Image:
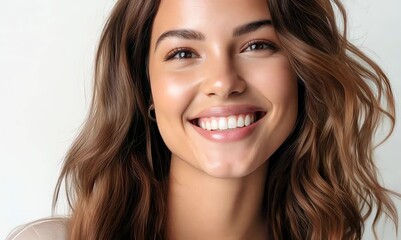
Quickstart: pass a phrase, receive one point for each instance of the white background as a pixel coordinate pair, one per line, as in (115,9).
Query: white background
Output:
(46,59)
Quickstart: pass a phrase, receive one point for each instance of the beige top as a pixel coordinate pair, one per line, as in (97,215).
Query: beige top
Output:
(43,229)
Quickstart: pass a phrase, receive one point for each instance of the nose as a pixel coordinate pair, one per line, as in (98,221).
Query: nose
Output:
(222,79)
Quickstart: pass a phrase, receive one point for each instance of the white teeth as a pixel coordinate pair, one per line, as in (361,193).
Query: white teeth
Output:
(208,127)
(214,124)
(247,120)
(240,121)
(224,123)
(232,123)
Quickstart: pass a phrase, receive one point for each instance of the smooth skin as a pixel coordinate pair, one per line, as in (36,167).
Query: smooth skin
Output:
(219,57)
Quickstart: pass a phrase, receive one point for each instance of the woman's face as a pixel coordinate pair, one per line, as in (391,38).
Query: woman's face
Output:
(224,92)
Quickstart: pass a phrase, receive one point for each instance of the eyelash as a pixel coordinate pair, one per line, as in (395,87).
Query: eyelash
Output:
(173,53)
(268,46)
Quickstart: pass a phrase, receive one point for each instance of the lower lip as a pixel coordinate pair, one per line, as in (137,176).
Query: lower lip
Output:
(229,135)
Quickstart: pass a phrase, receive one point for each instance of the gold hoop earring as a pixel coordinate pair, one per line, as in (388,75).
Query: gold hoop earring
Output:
(151,109)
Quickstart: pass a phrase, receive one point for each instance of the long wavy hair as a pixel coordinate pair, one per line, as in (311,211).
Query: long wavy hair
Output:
(322,183)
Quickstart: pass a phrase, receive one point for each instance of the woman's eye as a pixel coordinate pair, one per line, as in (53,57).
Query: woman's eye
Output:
(180,54)
(259,46)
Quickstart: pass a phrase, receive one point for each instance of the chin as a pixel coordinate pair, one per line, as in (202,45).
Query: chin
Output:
(232,169)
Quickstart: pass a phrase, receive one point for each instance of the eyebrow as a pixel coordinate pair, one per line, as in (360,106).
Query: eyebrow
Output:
(250,27)
(196,35)
(181,33)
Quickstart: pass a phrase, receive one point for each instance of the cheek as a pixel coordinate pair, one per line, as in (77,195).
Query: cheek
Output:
(171,94)
(276,81)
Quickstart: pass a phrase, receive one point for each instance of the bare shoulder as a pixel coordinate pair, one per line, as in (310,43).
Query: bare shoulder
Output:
(43,229)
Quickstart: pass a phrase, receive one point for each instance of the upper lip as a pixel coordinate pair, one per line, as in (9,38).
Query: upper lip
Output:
(225,111)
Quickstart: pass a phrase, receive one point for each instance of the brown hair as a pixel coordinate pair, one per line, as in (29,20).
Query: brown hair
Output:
(322,183)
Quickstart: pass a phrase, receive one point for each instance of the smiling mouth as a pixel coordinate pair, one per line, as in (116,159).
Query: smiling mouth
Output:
(229,122)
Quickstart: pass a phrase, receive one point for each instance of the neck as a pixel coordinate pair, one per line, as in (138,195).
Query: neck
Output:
(204,207)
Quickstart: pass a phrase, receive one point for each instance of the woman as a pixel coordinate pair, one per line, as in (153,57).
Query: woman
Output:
(245,119)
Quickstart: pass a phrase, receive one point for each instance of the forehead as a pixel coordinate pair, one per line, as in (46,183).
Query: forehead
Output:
(208,16)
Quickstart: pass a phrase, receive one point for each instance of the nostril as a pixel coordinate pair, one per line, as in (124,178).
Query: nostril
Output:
(236,92)
(224,86)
